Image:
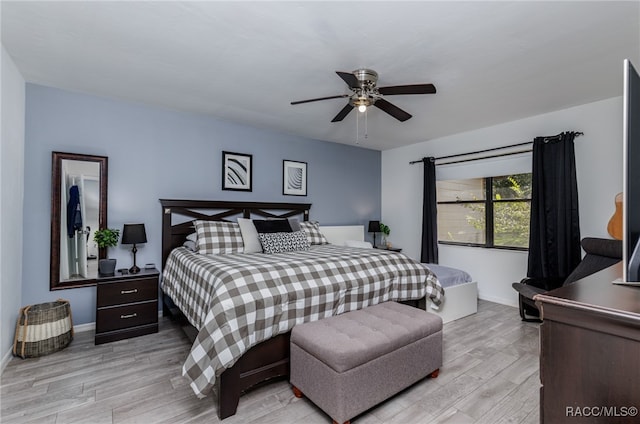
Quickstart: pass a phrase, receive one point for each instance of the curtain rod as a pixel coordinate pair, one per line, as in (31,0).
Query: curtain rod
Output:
(485,157)
(491,150)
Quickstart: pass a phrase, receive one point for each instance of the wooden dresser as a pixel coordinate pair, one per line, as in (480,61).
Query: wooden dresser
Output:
(590,351)
(127,306)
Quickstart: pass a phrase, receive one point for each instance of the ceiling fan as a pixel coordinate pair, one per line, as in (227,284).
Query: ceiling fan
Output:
(364,93)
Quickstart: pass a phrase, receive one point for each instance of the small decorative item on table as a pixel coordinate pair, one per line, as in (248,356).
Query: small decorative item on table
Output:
(385,230)
(105,238)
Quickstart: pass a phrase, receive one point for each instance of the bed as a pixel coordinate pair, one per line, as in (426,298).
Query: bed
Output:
(462,291)
(256,347)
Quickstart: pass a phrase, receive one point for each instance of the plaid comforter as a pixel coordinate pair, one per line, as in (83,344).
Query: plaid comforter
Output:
(239,300)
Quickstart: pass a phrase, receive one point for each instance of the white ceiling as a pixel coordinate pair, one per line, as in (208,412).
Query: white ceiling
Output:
(491,62)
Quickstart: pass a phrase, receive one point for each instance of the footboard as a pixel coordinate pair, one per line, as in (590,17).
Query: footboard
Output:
(263,362)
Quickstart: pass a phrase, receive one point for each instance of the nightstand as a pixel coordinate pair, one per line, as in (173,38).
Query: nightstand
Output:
(127,306)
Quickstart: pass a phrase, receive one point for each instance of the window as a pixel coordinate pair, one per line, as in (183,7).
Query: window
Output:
(488,212)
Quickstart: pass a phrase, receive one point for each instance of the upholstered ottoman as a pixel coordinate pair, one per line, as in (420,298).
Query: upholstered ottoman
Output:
(351,362)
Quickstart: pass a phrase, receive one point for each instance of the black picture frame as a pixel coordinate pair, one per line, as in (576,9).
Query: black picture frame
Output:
(294,178)
(237,171)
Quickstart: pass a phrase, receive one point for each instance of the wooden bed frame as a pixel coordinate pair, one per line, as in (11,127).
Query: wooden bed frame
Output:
(267,360)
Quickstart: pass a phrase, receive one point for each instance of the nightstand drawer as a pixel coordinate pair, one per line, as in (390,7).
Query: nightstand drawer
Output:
(127,291)
(119,317)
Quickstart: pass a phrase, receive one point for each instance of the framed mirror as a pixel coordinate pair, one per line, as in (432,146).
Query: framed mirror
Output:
(78,209)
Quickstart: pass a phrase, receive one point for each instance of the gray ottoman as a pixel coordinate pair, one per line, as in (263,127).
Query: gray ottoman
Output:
(351,362)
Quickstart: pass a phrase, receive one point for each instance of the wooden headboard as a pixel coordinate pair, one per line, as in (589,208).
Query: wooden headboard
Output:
(185,211)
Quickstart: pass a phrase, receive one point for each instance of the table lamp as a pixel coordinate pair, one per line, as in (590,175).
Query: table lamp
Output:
(374,227)
(134,234)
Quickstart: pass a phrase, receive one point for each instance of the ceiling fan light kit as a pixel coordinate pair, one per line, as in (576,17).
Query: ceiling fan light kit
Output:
(364,93)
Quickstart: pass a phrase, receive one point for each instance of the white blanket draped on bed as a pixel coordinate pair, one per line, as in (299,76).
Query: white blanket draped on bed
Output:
(239,300)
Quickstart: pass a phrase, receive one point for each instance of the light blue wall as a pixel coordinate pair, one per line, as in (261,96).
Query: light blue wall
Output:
(157,153)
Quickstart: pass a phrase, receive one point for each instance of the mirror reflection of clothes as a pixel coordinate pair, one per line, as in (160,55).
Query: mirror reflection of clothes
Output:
(74,216)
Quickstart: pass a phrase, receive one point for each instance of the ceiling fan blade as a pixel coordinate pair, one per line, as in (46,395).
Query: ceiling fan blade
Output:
(392,110)
(349,78)
(408,89)
(343,113)
(340,96)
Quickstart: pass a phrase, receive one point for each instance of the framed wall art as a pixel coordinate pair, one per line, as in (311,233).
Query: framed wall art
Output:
(294,178)
(237,171)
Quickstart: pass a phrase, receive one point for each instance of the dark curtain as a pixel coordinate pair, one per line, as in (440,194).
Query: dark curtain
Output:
(429,221)
(554,239)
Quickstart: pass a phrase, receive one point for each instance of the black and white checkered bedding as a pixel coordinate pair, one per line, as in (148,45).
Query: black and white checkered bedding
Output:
(239,300)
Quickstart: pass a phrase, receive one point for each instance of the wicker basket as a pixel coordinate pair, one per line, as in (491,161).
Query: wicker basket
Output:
(43,329)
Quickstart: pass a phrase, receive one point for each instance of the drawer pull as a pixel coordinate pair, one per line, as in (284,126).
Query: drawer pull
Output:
(129,316)
(128,291)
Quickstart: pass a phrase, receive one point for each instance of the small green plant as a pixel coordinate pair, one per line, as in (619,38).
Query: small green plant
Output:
(106,237)
(384,229)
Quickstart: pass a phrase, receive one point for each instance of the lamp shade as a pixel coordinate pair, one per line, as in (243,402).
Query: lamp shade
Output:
(133,234)
(374,226)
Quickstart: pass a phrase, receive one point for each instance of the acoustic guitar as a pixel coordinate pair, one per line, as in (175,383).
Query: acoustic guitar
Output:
(615,223)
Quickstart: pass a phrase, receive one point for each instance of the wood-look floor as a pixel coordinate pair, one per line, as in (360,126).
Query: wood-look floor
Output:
(490,375)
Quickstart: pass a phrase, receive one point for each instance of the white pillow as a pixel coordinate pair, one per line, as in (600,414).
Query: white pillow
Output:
(193,237)
(358,243)
(249,236)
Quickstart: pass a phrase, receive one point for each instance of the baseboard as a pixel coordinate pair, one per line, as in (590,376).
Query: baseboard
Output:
(5,359)
(500,300)
(80,328)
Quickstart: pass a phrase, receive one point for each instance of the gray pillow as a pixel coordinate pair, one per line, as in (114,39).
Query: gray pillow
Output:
(295,224)
(190,244)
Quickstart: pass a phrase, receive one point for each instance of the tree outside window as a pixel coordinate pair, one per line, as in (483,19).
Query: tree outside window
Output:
(487,212)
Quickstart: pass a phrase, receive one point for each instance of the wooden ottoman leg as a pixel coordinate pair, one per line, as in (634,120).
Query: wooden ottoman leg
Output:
(296,392)
(435,373)
(335,422)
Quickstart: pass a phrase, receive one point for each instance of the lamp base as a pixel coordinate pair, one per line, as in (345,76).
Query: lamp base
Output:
(134,269)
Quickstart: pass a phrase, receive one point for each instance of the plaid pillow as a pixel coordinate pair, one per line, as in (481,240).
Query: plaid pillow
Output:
(216,237)
(312,229)
(284,242)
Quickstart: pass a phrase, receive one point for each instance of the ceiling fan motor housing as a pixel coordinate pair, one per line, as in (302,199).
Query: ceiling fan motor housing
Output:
(367,77)
(366,94)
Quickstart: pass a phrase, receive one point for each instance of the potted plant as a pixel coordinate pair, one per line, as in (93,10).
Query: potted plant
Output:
(105,238)
(384,229)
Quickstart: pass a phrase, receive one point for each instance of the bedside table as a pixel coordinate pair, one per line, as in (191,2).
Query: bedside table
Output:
(392,249)
(127,306)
